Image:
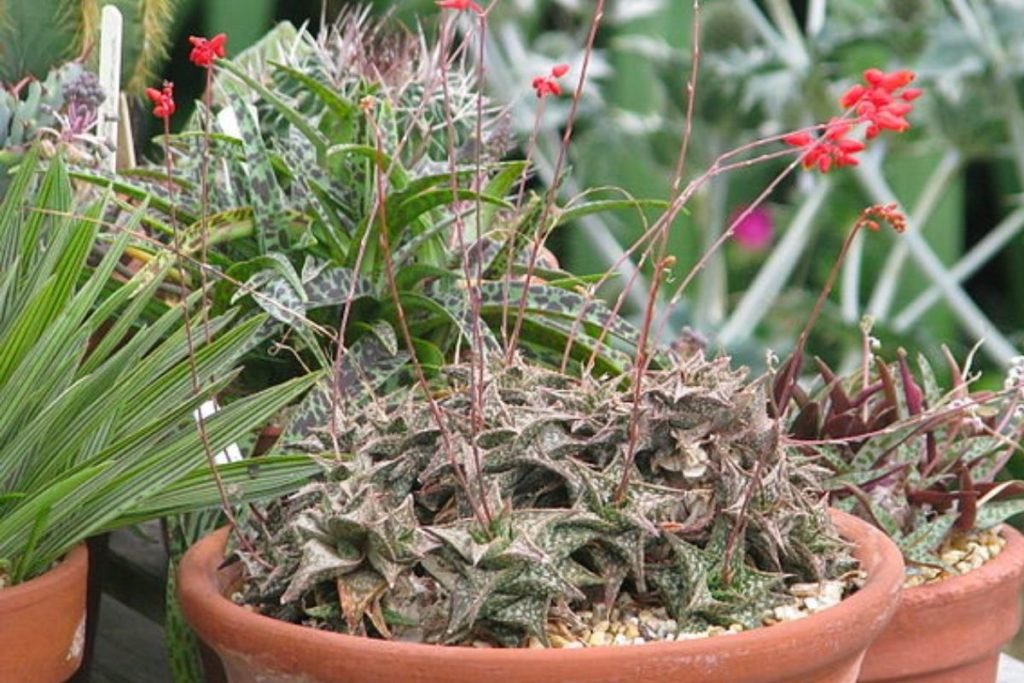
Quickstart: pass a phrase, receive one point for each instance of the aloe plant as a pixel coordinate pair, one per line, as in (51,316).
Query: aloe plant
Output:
(98,430)
(386,545)
(919,461)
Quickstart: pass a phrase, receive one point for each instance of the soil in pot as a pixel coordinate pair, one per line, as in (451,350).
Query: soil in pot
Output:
(952,631)
(42,623)
(824,647)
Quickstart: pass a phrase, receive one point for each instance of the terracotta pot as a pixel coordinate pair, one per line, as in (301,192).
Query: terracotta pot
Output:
(827,646)
(952,631)
(42,623)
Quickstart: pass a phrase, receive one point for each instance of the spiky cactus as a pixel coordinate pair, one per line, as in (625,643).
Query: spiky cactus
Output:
(38,36)
(387,544)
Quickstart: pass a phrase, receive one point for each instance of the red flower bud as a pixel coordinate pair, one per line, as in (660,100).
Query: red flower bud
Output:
(461,6)
(163,100)
(874,77)
(547,85)
(852,96)
(204,51)
(897,79)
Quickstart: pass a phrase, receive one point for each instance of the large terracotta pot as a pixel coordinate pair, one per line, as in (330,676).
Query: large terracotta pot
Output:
(824,647)
(42,623)
(952,631)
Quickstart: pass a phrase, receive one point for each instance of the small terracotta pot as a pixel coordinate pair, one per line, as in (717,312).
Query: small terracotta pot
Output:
(42,623)
(952,631)
(824,647)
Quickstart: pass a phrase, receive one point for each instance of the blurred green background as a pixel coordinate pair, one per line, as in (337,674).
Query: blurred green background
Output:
(767,66)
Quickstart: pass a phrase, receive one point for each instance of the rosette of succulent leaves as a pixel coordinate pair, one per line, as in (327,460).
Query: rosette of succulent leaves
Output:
(916,460)
(323,149)
(484,515)
(62,109)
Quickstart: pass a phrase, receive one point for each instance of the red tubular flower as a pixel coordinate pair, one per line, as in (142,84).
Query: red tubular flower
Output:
(163,100)
(883,101)
(833,149)
(461,6)
(205,51)
(548,85)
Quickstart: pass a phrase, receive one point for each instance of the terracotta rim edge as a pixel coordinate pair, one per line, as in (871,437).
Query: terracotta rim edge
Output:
(1008,562)
(26,592)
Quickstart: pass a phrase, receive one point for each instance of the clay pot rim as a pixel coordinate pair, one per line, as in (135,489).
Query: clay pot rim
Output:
(27,592)
(965,586)
(203,603)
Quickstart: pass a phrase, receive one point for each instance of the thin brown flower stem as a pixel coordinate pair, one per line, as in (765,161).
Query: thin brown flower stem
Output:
(691,98)
(676,181)
(510,253)
(662,264)
(552,193)
(204,195)
(620,301)
(792,370)
(478,360)
(670,214)
(340,350)
(642,361)
(346,310)
(191,352)
(740,523)
(721,240)
(339,342)
(479,507)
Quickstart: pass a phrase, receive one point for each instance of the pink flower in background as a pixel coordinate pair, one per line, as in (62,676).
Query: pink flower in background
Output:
(755,231)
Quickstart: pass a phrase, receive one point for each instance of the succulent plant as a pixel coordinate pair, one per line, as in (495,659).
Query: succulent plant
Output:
(66,101)
(295,214)
(386,544)
(39,36)
(918,461)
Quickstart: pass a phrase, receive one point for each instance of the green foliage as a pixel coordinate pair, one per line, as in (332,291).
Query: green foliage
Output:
(40,35)
(918,461)
(98,429)
(388,546)
(339,163)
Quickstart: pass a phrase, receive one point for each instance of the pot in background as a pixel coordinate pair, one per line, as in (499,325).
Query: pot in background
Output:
(952,631)
(42,623)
